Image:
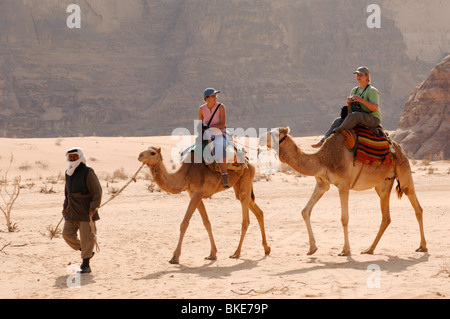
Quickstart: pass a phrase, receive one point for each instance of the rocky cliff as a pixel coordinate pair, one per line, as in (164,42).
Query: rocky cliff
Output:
(424,127)
(139,67)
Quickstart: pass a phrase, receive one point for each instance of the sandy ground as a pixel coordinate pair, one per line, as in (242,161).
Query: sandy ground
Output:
(139,229)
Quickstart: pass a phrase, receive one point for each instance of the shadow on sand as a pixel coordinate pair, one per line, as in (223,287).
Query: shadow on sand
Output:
(206,270)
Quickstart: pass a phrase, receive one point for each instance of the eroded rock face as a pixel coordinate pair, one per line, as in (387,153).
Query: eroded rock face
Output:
(140,67)
(424,127)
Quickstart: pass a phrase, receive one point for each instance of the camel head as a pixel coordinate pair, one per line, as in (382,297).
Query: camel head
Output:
(151,156)
(272,138)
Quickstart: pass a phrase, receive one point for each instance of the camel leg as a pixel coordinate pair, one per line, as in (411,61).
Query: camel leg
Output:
(319,190)
(193,204)
(202,210)
(343,195)
(260,217)
(407,187)
(419,215)
(384,192)
(245,222)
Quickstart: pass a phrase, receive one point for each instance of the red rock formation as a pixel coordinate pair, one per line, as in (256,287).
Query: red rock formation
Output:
(424,127)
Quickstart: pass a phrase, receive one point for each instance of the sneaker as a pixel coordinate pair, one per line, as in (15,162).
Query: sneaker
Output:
(225,182)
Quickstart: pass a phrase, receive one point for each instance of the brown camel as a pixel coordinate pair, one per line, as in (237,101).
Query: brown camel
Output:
(333,164)
(200,182)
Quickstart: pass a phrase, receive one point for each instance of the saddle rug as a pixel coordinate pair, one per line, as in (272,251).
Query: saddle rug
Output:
(370,149)
(236,159)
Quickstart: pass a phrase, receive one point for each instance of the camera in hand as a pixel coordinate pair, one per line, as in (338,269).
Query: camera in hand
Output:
(356,107)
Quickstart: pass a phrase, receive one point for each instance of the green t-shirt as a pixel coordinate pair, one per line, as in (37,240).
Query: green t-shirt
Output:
(372,95)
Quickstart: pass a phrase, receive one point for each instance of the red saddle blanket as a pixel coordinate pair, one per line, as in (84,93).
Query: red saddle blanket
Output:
(372,149)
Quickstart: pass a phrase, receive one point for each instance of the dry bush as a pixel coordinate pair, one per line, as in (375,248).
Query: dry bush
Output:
(55,180)
(152,187)
(25,166)
(52,232)
(58,142)
(260,177)
(438,157)
(42,164)
(120,173)
(46,190)
(113,190)
(9,194)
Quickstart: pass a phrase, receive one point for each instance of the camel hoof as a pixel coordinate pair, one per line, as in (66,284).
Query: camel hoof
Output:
(345,253)
(367,252)
(311,251)
(422,250)
(235,256)
(267,251)
(174,261)
(211,258)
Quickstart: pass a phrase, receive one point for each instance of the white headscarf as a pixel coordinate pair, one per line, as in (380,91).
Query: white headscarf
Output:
(73,165)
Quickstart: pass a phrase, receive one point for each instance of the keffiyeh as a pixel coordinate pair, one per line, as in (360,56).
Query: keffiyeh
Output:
(74,164)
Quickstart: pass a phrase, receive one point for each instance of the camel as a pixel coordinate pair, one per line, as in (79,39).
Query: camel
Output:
(333,164)
(200,182)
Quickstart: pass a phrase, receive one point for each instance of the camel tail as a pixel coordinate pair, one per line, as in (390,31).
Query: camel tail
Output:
(398,189)
(253,195)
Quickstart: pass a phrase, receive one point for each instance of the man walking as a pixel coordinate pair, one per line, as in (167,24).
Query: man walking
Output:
(83,195)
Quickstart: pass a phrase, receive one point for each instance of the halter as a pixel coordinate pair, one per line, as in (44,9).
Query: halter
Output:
(280,141)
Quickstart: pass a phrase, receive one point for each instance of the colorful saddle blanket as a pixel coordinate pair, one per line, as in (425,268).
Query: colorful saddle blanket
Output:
(372,149)
(368,147)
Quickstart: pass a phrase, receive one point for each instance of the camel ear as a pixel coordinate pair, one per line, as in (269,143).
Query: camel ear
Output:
(158,149)
(284,131)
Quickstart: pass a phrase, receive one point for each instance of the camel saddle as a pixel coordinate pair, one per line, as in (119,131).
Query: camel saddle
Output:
(236,159)
(369,147)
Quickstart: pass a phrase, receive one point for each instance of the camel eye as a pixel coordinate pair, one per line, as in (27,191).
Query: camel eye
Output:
(153,153)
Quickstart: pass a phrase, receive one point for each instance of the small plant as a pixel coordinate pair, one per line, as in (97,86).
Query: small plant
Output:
(46,190)
(120,173)
(151,187)
(113,190)
(25,166)
(9,194)
(52,232)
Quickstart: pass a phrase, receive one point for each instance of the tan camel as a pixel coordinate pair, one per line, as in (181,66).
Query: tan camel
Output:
(333,164)
(200,182)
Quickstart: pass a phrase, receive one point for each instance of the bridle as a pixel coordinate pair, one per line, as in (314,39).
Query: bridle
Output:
(280,141)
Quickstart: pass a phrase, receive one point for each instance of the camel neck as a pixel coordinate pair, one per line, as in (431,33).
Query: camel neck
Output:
(291,154)
(169,182)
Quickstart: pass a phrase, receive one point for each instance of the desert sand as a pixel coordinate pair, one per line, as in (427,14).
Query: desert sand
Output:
(139,229)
